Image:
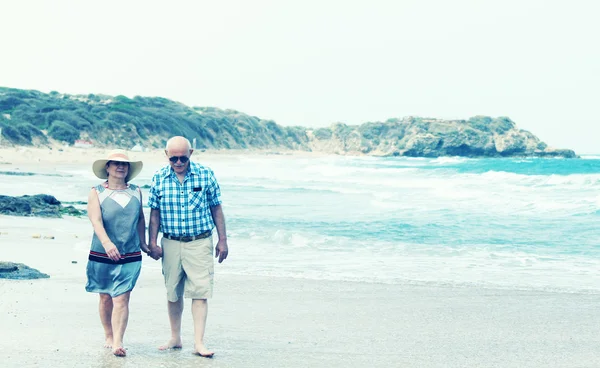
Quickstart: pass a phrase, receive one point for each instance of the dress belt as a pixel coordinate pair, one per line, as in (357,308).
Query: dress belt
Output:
(190,238)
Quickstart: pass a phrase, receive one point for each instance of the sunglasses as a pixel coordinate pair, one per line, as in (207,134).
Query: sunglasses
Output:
(118,163)
(183,159)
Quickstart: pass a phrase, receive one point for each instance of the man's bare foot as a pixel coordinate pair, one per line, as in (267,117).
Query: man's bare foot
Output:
(171,344)
(203,351)
(120,352)
(108,343)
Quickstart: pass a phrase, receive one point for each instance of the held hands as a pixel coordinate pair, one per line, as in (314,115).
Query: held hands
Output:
(144,248)
(111,251)
(154,251)
(221,250)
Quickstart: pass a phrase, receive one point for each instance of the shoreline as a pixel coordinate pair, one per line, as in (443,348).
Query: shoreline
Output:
(73,155)
(36,230)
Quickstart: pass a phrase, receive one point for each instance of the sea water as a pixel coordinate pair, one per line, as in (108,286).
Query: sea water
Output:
(517,223)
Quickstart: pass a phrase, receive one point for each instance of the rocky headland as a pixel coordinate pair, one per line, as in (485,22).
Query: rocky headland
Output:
(42,120)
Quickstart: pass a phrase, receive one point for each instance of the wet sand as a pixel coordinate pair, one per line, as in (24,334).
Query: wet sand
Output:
(280,322)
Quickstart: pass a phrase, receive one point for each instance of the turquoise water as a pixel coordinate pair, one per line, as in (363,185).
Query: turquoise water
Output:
(508,223)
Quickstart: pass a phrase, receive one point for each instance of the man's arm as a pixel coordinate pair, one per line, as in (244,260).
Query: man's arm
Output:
(221,249)
(155,250)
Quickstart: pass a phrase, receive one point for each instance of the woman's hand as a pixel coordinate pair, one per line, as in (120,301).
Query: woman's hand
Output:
(111,251)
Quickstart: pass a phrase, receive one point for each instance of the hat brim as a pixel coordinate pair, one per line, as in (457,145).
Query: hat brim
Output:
(99,168)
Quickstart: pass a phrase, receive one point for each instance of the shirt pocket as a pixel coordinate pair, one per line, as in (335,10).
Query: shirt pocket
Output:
(197,199)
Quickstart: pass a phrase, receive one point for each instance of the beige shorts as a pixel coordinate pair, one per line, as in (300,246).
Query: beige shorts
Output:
(188,267)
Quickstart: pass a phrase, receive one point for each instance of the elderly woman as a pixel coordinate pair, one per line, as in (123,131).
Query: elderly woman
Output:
(114,263)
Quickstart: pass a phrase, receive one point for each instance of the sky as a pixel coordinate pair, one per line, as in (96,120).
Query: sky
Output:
(313,63)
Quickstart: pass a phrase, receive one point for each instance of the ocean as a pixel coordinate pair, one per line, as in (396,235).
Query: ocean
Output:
(511,223)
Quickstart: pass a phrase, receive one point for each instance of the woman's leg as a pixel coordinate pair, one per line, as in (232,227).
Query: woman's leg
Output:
(106,310)
(120,316)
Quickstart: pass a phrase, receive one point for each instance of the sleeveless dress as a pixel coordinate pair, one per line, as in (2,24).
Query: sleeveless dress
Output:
(120,213)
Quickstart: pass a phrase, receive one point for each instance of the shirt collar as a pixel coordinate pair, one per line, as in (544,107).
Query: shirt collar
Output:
(190,171)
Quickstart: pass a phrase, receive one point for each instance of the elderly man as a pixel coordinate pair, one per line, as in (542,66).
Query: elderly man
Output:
(185,203)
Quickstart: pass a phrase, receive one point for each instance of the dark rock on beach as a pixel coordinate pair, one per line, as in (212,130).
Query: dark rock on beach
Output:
(42,205)
(37,205)
(71,211)
(16,173)
(19,271)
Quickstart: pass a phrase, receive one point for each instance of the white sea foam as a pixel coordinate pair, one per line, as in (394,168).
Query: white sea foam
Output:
(418,264)
(449,160)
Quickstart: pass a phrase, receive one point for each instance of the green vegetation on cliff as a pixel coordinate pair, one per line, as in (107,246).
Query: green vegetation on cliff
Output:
(30,117)
(34,118)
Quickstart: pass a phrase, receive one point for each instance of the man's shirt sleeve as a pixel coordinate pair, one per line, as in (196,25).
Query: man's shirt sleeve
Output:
(153,197)
(213,192)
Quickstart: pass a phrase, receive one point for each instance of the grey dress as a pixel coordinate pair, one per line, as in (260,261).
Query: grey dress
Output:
(120,213)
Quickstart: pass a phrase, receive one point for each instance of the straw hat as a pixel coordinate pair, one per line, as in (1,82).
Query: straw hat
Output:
(99,166)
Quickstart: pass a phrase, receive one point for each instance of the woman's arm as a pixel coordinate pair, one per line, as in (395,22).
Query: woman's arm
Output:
(95,216)
(141,227)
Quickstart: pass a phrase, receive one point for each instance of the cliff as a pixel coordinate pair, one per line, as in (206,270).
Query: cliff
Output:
(35,118)
(479,136)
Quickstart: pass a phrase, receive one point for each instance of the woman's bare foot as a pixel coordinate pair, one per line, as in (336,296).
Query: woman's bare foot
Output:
(120,352)
(108,343)
(203,351)
(171,344)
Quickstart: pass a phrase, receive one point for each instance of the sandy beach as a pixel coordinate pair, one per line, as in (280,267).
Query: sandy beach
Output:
(258,321)
(282,322)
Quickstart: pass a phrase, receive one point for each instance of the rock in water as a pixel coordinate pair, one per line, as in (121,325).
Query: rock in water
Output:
(42,205)
(37,205)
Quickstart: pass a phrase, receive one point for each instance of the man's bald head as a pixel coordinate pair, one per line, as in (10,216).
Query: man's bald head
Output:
(178,143)
(178,152)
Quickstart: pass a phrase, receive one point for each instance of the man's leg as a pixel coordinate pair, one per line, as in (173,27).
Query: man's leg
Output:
(199,313)
(175,312)
(120,317)
(106,308)
(174,282)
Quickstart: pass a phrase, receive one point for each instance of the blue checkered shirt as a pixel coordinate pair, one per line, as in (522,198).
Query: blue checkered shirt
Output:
(185,208)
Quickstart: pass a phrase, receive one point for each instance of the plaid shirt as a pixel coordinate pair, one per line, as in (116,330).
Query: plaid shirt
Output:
(185,208)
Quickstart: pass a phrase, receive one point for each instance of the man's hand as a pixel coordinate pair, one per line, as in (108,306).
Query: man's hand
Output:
(155,252)
(221,250)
